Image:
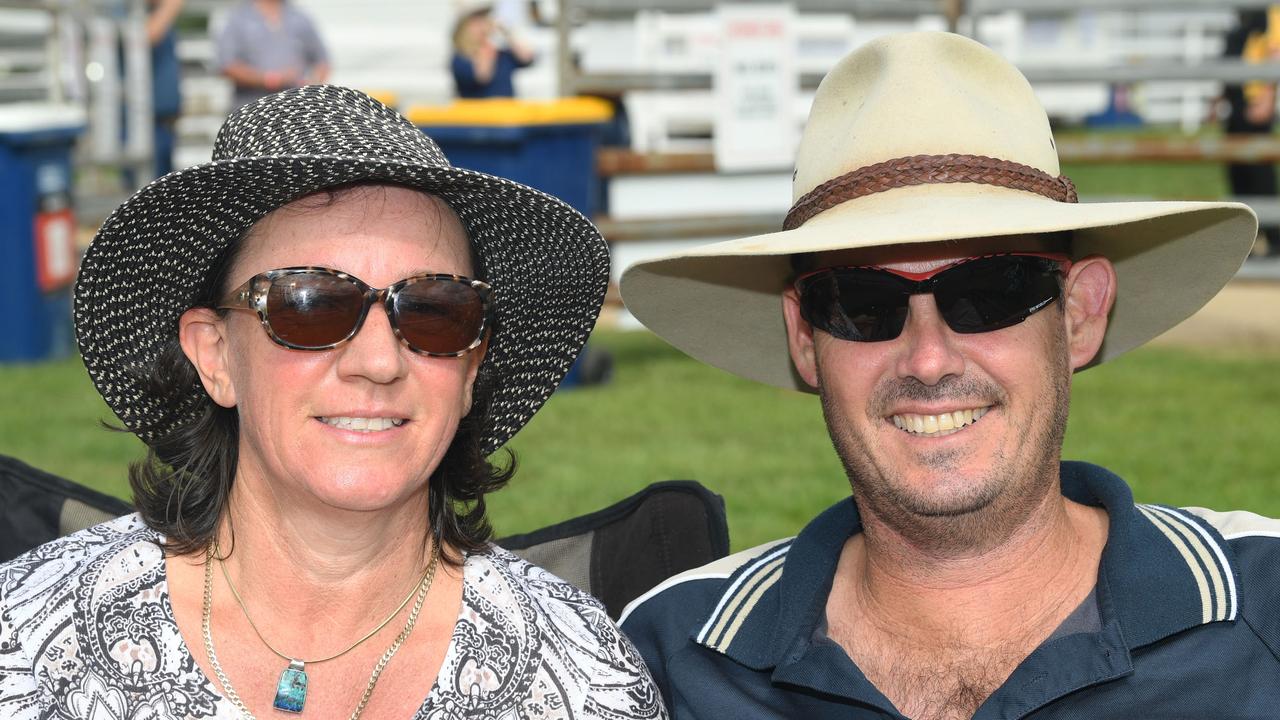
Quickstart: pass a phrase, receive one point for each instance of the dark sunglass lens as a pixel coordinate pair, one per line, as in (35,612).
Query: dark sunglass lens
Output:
(439,315)
(992,293)
(855,304)
(312,309)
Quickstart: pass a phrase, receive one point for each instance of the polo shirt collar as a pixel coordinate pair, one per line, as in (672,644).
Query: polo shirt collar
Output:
(1162,571)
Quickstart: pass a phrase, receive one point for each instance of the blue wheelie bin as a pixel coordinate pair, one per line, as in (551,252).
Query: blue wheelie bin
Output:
(549,145)
(38,255)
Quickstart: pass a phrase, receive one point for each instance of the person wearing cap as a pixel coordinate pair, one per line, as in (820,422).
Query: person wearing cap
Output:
(321,335)
(480,68)
(937,284)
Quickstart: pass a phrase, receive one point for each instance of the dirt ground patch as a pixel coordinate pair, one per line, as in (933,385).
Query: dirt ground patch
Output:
(1244,316)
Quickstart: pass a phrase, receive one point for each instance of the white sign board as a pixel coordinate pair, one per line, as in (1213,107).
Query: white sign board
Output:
(755,88)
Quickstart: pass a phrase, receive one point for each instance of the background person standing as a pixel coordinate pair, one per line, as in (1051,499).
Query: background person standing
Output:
(166,76)
(1251,107)
(481,68)
(269,45)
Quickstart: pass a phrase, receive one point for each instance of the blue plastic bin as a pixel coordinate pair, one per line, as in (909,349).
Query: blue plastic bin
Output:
(38,255)
(548,145)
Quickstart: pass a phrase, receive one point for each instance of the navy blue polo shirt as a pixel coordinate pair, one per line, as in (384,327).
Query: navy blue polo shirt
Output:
(1187,626)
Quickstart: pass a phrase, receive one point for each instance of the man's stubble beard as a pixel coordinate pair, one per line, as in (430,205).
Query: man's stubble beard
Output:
(995,505)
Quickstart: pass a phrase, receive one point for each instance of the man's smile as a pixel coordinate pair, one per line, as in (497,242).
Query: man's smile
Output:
(938,425)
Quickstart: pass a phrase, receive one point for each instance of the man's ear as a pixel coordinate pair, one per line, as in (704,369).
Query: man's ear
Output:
(799,338)
(1088,296)
(202,334)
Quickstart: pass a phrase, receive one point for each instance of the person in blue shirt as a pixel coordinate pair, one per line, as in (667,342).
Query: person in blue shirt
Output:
(166,85)
(937,284)
(166,77)
(481,68)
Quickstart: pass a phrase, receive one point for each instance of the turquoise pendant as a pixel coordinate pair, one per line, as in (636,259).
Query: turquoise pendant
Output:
(291,692)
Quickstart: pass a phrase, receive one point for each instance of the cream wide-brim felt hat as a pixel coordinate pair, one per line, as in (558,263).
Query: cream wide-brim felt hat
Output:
(931,94)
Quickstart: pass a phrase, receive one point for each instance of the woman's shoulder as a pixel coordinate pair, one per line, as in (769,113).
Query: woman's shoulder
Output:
(528,582)
(59,565)
(86,626)
(559,633)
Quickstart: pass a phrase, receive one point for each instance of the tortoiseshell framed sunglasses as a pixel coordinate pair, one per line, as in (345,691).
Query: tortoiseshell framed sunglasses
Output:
(318,308)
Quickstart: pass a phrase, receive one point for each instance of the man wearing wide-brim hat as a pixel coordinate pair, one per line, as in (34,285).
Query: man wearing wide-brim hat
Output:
(937,284)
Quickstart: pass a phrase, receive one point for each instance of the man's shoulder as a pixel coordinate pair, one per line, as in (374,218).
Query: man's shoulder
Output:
(1237,524)
(1254,540)
(671,610)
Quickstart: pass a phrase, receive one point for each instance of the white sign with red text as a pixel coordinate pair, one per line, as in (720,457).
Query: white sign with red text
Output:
(756,84)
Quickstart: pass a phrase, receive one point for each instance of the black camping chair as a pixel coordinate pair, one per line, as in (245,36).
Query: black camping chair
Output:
(618,553)
(615,554)
(36,507)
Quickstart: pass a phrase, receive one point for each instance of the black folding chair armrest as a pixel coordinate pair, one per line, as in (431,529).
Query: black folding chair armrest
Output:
(622,551)
(36,507)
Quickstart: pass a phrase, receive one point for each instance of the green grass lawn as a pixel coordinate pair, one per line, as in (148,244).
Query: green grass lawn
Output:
(1182,427)
(1166,180)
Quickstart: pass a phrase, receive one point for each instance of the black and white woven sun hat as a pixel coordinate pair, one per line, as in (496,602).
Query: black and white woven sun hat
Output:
(157,253)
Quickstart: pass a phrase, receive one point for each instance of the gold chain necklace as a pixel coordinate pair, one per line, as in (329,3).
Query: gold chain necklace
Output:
(239,601)
(291,691)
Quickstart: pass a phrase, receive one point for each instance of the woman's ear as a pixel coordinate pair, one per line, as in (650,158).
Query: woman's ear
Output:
(799,338)
(474,359)
(202,334)
(1088,296)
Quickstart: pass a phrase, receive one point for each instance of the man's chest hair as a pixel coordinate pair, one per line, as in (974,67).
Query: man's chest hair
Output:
(945,680)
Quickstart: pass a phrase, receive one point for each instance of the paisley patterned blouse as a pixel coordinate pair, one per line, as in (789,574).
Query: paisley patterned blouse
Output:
(87,632)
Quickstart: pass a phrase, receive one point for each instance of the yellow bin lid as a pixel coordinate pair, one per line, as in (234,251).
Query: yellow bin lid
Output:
(512,112)
(386,97)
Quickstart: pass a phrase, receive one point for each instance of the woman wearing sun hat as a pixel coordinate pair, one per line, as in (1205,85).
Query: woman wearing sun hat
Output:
(320,335)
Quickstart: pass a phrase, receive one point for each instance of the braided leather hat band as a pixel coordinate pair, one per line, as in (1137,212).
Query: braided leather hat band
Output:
(925,170)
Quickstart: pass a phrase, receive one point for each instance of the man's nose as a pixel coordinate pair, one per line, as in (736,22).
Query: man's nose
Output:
(928,351)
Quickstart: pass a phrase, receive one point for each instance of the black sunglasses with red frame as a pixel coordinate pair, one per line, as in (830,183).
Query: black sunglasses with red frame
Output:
(974,295)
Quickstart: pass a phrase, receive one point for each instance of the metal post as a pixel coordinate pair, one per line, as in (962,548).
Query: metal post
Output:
(139,142)
(53,57)
(953,10)
(103,73)
(564,50)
